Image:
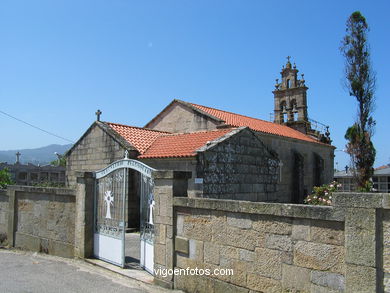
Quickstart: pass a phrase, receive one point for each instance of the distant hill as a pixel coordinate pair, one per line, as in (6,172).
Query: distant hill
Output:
(41,155)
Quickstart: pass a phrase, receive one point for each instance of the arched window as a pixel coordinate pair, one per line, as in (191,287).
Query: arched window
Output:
(294,110)
(283,109)
(318,170)
(297,175)
(288,84)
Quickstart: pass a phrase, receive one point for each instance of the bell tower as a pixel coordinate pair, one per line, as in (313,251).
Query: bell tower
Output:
(290,99)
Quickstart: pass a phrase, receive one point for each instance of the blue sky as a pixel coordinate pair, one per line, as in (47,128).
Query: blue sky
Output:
(62,60)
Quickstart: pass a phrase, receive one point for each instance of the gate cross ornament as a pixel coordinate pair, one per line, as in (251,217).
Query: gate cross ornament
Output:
(151,209)
(109,199)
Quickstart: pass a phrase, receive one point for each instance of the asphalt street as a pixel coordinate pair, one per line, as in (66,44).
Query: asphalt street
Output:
(22,272)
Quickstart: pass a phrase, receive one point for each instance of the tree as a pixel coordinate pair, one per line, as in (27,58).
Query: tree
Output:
(361,85)
(5,178)
(59,162)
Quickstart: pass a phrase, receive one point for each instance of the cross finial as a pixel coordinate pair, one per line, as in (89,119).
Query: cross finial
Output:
(18,154)
(288,59)
(98,113)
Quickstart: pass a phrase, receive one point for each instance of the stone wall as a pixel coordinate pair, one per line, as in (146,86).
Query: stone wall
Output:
(386,250)
(42,219)
(271,247)
(240,168)
(267,252)
(94,151)
(3,215)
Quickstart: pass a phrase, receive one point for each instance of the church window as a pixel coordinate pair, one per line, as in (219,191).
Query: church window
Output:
(283,108)
(318,168)
(294,110)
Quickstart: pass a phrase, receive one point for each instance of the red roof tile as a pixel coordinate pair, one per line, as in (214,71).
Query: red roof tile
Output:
(181,145)
(238,120)
(140,138)
(382,167)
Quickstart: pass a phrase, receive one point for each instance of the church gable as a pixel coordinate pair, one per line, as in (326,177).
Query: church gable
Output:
(104,128)
(240,167)
(96,149)
(182,117)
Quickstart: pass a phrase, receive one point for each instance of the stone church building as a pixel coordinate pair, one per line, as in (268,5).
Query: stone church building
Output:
(230,156)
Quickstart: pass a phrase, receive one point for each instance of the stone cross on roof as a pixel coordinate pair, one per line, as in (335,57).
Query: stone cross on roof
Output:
(98,113)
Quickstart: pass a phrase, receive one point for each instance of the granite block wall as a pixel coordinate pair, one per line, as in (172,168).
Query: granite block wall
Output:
(386,250)
(267,252)
(271,247)
(42,219)
(3,216)
(240,167)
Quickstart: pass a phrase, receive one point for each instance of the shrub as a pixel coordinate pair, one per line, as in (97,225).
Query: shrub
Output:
(5,178)
(322,195)
(367,186)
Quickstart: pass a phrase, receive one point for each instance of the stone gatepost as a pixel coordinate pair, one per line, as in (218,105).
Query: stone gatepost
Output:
(84,215)
(363,239)
(167,184)
(12,208)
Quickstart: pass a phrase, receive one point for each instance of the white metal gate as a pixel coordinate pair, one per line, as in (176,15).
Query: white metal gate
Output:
(111,196)
(146,223)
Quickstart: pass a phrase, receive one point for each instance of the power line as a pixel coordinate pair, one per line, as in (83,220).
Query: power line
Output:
(36,127)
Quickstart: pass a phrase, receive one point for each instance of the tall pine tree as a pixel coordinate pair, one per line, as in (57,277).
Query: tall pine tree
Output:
(361,85)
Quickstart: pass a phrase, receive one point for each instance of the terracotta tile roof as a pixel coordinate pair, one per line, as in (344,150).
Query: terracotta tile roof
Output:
(382,167)
(238,120)
(181,145)
(140,138)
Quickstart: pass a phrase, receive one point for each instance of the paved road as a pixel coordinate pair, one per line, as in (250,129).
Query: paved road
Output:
(22,272)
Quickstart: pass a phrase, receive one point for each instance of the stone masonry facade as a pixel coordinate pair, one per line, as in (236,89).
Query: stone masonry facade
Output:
(285,148)
(180,119)
(239,168)
(96,151)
